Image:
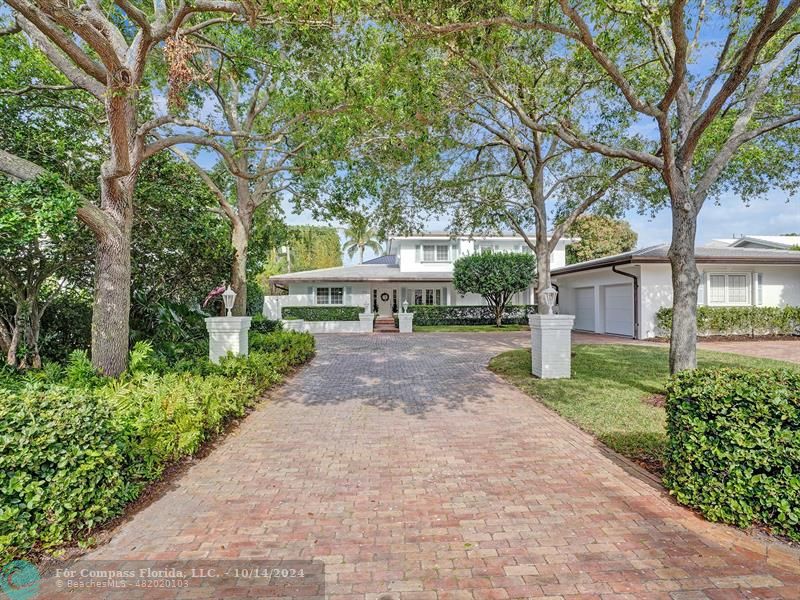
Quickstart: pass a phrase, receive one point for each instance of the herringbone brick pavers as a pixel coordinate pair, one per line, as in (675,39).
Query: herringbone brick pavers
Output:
(415,473)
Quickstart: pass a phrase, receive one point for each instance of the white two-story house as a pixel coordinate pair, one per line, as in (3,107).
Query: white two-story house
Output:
(417,269)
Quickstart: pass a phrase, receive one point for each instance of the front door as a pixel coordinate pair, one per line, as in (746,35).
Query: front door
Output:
(384,302)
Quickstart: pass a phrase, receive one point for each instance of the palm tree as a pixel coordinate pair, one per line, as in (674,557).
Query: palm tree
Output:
(359,235)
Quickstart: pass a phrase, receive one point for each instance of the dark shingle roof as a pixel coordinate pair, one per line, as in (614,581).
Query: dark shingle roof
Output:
(386,259)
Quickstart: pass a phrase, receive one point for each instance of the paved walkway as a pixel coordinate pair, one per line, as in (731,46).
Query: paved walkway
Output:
(415,473)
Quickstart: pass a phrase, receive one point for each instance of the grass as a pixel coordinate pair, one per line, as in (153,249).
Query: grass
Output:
(466,328)
(608,390)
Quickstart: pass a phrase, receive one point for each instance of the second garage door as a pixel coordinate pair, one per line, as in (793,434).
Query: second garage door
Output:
(619,309)
(584,309)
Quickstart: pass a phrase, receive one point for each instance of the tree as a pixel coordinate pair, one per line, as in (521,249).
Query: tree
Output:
(358,236)
(309,247)
(599,236)
(271,90)
(494,275)
(42,253)
(90,47)
(709,116)
(499,171)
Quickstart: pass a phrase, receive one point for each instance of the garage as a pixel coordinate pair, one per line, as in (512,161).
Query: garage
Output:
(584,309)
(618,309)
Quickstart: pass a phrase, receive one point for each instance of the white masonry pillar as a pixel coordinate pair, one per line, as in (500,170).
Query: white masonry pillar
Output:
(551,345)
(227,334)
(406,322)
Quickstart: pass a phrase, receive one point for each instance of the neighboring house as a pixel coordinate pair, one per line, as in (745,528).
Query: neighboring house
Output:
(417,269)
(766,242)
(621,294)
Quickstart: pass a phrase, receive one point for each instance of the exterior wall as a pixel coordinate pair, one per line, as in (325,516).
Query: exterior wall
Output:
(780,286)
(355,294)
(406,250)
(330,326)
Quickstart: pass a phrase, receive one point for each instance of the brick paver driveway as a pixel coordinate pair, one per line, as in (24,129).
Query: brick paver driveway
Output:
(414,472)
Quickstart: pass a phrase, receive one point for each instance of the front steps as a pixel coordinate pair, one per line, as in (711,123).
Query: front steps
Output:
(385,325)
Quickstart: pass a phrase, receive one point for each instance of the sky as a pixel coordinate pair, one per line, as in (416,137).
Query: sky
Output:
(729,218)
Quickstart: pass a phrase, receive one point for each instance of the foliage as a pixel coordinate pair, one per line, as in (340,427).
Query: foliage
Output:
(470,315)
(179,248)
(75,446)
(42,250)
(739,320)
(260,324)
(66,325)
(494,275)
(610,391)
(599,236)
(322,313)
(734,446)
(60,466)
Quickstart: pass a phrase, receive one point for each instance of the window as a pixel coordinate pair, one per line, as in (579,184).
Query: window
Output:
(435,253)
(428,296)
(729,288)
(334,295)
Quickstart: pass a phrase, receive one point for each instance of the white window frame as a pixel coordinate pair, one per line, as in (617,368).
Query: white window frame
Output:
(726,301)
(436,248)
(329,295)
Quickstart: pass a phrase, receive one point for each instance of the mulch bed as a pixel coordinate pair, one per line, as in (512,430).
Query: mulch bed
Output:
(739,338)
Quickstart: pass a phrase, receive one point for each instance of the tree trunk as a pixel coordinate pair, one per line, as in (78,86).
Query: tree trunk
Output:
(685,280)
(361,255)
(498,315)
(19,317)
(239,241)
(112,279)
(32,330)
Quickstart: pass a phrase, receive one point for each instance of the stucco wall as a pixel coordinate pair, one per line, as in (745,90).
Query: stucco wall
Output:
(780,286)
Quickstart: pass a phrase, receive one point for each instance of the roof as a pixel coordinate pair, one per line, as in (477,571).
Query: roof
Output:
(703,254)
(364,272)
(776,241)
(386,259)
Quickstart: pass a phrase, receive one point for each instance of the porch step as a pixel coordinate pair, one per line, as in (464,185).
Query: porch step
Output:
(385,325)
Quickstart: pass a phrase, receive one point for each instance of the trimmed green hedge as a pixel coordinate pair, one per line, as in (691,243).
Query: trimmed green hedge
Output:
(322,313)
(738,320)
(733,449)
(76,447)
(516,314)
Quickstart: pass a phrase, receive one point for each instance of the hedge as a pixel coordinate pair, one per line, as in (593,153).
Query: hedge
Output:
(469,315)
(322,313)
(738,320)
(733,449)
(76,447)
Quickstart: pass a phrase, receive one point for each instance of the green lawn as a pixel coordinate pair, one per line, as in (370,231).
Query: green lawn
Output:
(465,328)
(607,392)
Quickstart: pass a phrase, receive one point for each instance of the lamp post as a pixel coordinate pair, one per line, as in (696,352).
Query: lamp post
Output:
(405,306)
(229,297)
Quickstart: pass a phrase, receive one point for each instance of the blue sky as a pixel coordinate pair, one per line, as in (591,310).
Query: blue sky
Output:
(769,216)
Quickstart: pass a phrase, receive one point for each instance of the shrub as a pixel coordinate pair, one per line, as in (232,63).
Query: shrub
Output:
(322,313)
(733,449)
(469,315)
(261,324)
(738,320)
(75,447)
(60,466)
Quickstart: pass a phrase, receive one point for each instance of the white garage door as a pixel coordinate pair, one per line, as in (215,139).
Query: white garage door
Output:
(584,308)
(619,309)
